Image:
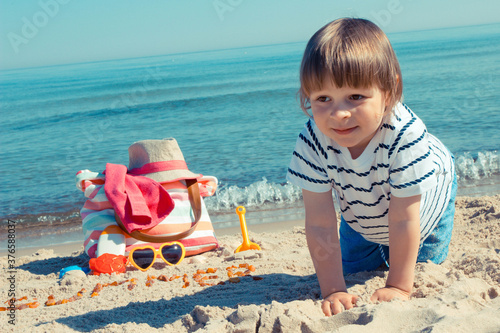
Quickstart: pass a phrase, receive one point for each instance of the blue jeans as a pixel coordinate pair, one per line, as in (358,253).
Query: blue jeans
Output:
(359,255)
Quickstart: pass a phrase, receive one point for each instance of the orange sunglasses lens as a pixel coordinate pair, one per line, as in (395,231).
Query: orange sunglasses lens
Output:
(143,258)
(172,253)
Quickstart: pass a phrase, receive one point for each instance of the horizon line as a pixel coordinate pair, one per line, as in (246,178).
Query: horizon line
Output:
(221,49)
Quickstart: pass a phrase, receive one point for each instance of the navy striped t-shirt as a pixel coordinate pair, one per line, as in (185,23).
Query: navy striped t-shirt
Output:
(402,159)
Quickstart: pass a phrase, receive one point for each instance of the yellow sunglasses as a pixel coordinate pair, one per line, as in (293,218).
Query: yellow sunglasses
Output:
(144,257)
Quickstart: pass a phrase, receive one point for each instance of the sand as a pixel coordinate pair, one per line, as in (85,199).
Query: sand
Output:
(460,295)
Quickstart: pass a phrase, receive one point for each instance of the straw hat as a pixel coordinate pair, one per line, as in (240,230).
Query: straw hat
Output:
(160,160)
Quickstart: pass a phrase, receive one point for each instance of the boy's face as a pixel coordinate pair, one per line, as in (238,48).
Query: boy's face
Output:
(349,116)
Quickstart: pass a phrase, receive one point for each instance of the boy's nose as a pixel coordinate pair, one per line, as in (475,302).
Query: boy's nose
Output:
(340,112)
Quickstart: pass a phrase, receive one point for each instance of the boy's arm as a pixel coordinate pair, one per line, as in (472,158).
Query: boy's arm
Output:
(324,247)
(404,241)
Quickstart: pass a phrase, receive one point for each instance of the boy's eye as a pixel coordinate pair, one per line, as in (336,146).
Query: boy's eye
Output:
(356,97)
(322,99)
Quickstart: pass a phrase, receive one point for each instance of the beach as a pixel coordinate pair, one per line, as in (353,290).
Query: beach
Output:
(281,294)
(82,81)
(235,114)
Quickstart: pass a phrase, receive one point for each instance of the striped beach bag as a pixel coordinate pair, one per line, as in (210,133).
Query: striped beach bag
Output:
(188,222)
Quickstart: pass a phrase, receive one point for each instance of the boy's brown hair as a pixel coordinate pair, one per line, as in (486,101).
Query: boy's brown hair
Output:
(350,52)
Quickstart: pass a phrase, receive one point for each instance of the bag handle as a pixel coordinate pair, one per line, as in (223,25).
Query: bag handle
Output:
(194,199)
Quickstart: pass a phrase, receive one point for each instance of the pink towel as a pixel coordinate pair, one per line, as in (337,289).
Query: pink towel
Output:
(140,202)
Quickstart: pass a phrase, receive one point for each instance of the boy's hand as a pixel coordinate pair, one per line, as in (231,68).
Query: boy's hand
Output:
(389,293)
(336,303)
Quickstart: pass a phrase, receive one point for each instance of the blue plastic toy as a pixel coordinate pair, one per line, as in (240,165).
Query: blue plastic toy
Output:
(63,271)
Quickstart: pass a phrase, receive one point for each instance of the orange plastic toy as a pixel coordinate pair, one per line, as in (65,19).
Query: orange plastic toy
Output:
(247,244)
(108,263)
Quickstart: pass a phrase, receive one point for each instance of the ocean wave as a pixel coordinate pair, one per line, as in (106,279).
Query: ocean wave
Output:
(257,194)
(482,166)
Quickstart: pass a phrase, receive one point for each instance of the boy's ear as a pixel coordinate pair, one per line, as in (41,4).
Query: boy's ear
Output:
(388,101)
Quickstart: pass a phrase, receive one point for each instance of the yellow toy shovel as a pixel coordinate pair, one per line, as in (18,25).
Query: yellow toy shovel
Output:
(247,245)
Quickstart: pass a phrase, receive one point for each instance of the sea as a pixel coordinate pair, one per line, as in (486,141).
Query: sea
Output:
(236,116)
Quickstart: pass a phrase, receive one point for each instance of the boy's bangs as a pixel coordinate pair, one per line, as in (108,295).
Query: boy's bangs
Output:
(343,67)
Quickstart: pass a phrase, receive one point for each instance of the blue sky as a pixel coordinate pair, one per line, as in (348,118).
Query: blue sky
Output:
(50,32)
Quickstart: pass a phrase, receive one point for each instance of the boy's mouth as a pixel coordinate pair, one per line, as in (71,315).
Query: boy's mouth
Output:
(344,131)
